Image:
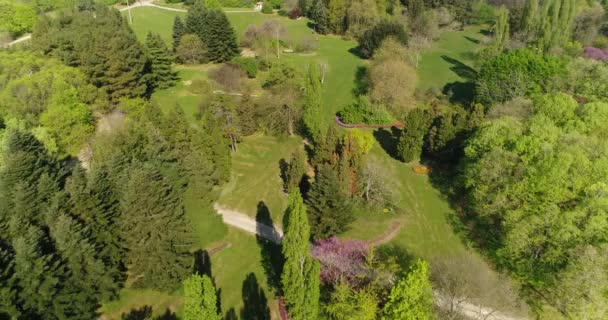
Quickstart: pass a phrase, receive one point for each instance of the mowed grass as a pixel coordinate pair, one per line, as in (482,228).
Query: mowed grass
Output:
(256,176)
(180,94)
(134,300)
(231,266)
(446,60)
(155,20)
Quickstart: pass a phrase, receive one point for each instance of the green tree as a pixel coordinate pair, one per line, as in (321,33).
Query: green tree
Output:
(412,297)
(191,50)
(154,229)
(312,117)
(501,28)
(161,75)
(296,169)
(300,278)
(351,304)
(179,30)
(336,16)
(221,40)
(70,124)
(200,298)
(319,15)
(372,39)
(555,23)
(410,144)
(329,205)
(267,8)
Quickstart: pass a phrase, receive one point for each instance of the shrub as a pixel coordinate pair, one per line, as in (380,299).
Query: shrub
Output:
(595,54)
(341,260)
(249,65)
(373,38)
(363,112)
(365,139)
(200,86)
(307,44)
(191,50)
(228,76)
(267,7)
(295,13)
(601,42)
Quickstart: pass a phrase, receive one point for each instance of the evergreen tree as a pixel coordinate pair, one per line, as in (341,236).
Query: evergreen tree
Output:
(336,16)
(154,229)
(412,297)
(221,40)
(197,21)
(296,169)
(247,116)
(8,289)
(330,207)
(313,115)
(161,75)
(411,140)
(304,7)
(200,298)
(501,29)
(300,278)
(319,14)
(179,30)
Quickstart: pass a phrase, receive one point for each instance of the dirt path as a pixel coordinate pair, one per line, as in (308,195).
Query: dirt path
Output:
(473,311)
(150,3)
(248,224)
(388,235)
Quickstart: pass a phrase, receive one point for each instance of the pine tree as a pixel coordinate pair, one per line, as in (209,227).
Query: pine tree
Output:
(154,229)
(179,30)
(304,7)
(412,297)
(200,298)
(330,208)
(221,40)
(319,14)
(296,169)
(8,289)
(336,16)
(300,278)
(197,21)
(161,75)
(313,115)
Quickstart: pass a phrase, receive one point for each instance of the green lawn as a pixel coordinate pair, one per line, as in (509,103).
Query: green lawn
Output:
(256,175)
(446,61)
(132,301)
(150,19)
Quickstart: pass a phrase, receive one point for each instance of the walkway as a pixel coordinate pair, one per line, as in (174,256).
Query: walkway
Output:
(249,224)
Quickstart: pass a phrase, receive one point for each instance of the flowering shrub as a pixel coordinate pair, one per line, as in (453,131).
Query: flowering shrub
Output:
(341,260)
(596,53)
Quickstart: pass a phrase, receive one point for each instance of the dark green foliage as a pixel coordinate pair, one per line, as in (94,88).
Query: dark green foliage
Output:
(410,144)
(179,30)
(446,136)
(330,208)
(155,230)
(319,14)
(304,7)
(161,75)
(221,40)
(295,171)
(373,38)
(196,21)
(363,111)
(249,65)
(100,42)
(517,73)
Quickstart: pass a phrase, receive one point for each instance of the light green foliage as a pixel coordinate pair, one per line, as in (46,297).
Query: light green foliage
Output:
(541,179)
(553,24)
(300,278)
(412,297)
(350,304)
(69,125)
(501,28)
(267,7)
(249,65)
(410,143)
(336,16)
(588,78)
(364,139)
(482,12)
(212,4)
(17,18)
(200,300)
(312,118)
(363,112)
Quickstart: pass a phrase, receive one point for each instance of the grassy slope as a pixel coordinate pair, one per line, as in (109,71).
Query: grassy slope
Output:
(436,70)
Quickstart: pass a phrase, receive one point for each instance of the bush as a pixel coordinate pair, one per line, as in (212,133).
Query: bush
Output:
(200,86)
(267,7)
(295,13)
(307,44)
(365,139)
(249,65)
(373,38)
(363,112)
(228,76)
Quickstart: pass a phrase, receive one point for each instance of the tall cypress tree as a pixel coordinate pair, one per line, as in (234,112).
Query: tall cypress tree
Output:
(221,41)
(300,278)
(200,298)
(320,15)
(501,29)
(161,75)
(154,229)
(179,30)
(313,117)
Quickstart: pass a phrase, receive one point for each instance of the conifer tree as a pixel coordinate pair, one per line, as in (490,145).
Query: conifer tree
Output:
(304,7)
(336,16)
(8,290)
(410,143)
(313,118)
(197,21)
(319,14)
(411,297)
(501,29)
(161,75)
(221,40)
(155,233)
(200,300)
(179,30)
(247,116)
(296,169)
(300,278)
(330,208)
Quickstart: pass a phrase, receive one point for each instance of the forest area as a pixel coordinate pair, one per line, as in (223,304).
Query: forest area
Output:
(307,159)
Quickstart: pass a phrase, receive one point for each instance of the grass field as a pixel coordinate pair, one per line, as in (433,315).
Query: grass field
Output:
(133,301)
(449,60)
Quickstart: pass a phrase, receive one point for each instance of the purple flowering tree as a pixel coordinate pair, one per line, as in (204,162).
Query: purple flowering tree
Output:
(341,260)
(596,53)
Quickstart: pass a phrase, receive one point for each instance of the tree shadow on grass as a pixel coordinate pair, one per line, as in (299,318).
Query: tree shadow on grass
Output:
(145,313)
(388,140)
(400,255)
(255,304)
(460,68)
(475,41)
(458,92)
(272,256)
(361,81)
(231,315)
(356,51)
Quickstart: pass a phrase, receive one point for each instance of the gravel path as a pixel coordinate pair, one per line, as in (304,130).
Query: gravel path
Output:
(248,224)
